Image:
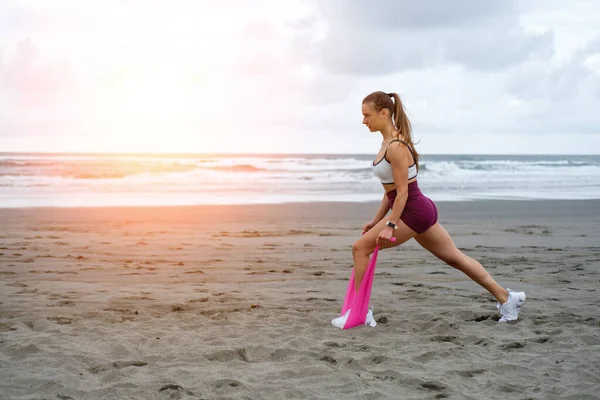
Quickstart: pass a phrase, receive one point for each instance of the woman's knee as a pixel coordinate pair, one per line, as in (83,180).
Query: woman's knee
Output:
(360,248)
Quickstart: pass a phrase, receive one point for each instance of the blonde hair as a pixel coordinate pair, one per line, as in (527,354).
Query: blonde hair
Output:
(380,101)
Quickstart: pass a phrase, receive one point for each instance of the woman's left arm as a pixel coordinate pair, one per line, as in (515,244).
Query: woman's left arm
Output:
(398,156)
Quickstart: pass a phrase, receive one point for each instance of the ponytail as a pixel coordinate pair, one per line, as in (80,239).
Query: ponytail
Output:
(403,125)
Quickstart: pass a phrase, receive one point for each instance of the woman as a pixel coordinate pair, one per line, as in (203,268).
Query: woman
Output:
(412,214)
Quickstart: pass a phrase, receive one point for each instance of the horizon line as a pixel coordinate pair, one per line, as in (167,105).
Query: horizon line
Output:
(123,153)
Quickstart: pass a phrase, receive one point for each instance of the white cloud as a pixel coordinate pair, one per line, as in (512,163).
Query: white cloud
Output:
(397,35)
(290,76)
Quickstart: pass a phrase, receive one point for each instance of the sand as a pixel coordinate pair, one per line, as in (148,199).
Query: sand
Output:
(236,301)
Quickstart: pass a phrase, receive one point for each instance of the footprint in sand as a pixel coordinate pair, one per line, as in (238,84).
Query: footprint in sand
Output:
(117,365)
(329,360)
(179,307)
(143,297)
(61,320)
(195,271)
(199,300)
(121,310)
(376,360)
(56,296)
(225,384)
(485,317)
(541,340)
(175,391)
(470,373)
(483,342)
(63,303)
(7,327)
(445,339)
(27,291)
(512,345)
(432,385)
(228,355)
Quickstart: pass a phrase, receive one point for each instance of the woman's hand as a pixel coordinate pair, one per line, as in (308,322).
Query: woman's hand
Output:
(384,236)
(368,226)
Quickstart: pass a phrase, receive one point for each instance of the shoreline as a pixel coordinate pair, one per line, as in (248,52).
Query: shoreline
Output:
(299,203)
(364,210)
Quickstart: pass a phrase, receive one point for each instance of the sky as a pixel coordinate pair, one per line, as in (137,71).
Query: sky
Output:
(272,76)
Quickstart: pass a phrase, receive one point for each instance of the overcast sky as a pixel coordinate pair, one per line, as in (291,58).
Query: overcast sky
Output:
(289,76)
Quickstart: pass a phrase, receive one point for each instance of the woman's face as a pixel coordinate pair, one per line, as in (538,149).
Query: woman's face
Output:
(374,120)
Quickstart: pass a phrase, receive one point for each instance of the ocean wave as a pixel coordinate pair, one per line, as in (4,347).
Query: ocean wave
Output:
(262,177)
(235,168)
(99,175)
(452,167)
(29,163)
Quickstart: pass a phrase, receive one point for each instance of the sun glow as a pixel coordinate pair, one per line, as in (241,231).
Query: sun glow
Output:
(161,97)
(146,77)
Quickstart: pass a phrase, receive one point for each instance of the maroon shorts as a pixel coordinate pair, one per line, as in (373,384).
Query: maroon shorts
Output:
(420,213)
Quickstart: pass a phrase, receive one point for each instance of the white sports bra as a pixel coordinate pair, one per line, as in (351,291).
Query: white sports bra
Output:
(383,168)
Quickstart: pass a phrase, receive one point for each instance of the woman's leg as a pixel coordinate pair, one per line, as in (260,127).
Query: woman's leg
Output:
(363,247)
(437,241)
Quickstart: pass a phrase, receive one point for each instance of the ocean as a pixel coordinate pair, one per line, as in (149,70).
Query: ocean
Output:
(83,180)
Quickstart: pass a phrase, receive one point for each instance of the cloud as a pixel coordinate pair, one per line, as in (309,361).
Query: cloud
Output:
(265,71)
(29,83)
(410,14)
(14,19)
(363,38)
(563,97)
(462,68)
(194,67)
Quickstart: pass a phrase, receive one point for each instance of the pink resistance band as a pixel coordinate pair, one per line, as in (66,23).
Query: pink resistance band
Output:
(358,303)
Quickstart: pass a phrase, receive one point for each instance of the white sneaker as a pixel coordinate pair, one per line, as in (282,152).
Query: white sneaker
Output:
(339,322)
(370,319)
(509,311)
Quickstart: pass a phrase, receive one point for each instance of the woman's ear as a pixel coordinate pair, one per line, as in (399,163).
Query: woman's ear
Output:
(384,113)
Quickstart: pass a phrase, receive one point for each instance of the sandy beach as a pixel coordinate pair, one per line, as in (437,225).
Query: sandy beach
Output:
(220,302)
